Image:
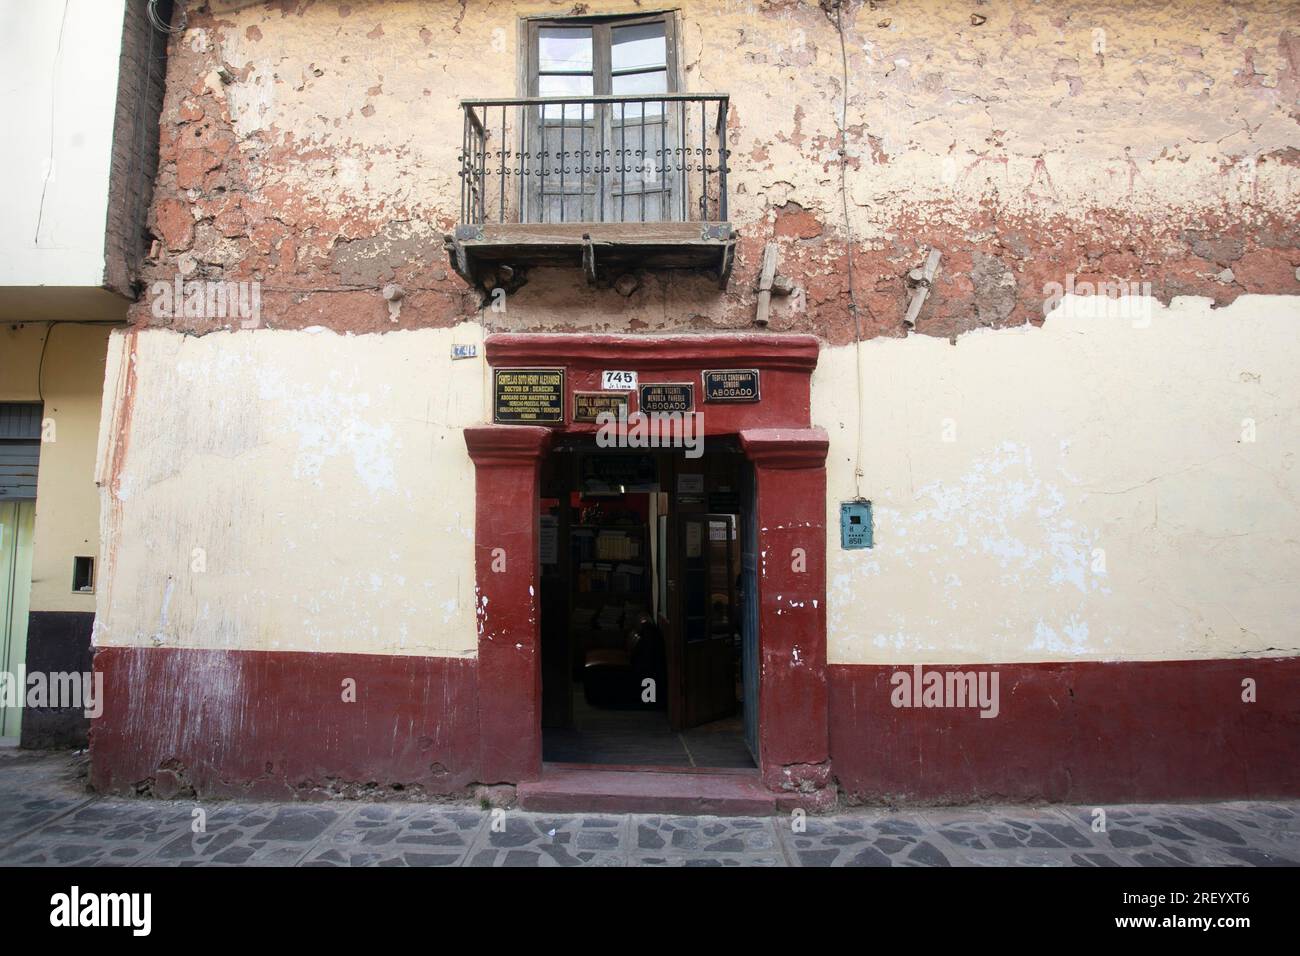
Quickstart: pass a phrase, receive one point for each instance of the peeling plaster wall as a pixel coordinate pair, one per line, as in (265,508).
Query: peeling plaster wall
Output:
(1099,498)
(1140,142)
(304,487)
(289,491)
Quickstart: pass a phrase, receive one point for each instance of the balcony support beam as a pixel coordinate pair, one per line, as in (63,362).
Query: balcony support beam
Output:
(588,258)
(473,250)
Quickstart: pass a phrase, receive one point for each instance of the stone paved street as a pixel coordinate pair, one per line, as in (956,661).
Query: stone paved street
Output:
(48,818)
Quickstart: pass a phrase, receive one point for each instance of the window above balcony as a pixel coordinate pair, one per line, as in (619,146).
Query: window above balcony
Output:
(603,166)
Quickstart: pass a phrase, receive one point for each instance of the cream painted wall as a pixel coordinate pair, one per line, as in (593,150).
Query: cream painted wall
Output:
(58,91)
(20,351)
(1096,436)
(1098,499)
(276,490)
(67,502)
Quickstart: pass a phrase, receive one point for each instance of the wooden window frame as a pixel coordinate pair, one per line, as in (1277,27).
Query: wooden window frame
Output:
(602,74)
(601,25)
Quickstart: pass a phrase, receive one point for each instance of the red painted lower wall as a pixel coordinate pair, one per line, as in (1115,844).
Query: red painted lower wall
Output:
(1078,732)
(275,725)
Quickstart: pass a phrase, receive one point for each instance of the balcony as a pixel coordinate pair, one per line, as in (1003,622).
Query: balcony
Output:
(602,183)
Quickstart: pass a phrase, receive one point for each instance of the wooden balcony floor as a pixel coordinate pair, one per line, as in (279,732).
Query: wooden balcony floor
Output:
(477,250)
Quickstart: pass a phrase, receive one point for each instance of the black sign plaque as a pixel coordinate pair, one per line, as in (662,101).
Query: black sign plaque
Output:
(587,406)
(668,397)
(731,385)
(528,396)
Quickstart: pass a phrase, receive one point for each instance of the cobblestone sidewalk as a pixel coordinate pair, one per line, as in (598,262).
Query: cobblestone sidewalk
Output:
(47,818)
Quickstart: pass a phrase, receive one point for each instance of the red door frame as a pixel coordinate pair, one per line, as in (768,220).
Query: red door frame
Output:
(789,459)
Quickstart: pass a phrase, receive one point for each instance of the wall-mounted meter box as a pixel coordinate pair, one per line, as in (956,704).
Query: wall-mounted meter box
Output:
(855,525)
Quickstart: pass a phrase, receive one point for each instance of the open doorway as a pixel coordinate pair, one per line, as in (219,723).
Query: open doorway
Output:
(648,646)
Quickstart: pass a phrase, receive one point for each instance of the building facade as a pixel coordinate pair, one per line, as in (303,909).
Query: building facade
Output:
(989,312)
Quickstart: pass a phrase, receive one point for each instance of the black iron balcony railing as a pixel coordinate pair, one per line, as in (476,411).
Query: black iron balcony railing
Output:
(595,159)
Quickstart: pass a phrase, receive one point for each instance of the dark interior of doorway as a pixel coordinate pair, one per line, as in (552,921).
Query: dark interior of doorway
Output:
(642,607)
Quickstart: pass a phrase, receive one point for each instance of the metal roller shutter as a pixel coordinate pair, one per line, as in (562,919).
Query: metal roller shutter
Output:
(20,449)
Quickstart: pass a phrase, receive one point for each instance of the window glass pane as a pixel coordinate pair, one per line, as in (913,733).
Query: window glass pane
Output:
(638,47)
(641,83)
(566,86)
(564,48)
(655,82)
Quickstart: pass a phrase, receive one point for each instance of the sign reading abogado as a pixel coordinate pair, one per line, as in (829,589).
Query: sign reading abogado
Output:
(668,397)
(731,385)
(528,396)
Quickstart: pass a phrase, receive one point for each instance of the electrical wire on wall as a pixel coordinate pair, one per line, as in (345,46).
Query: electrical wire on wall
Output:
(160,22)
(848,239)
(45,344)
(40,366)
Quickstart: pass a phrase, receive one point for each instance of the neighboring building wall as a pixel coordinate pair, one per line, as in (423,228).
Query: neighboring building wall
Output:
(316,468)
(67,503)
(59,91)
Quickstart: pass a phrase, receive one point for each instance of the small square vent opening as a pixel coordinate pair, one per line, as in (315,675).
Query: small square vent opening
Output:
(83,574)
